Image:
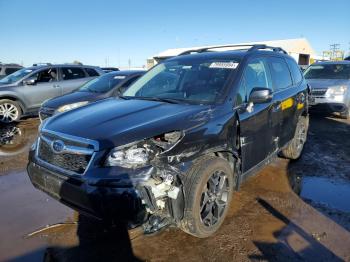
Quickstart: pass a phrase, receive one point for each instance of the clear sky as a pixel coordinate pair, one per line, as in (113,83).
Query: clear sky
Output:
(91,31)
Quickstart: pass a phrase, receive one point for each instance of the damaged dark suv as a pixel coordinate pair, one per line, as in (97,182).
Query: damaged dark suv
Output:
(175,146)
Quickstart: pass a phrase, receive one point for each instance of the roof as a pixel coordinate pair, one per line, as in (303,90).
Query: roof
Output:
(297,45)
(59,65)
(126,72)
(342,62)
(228,54)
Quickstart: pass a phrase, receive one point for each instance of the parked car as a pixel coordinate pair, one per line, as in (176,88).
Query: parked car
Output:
(330,84)
(172,149)
(23,92)
(109,69)
(107,85)
(7,69)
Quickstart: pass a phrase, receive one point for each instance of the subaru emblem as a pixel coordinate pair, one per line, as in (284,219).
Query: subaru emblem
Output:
(57,146)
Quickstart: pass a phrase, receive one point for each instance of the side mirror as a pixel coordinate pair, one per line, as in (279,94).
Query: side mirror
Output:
(30,81)
(260,95)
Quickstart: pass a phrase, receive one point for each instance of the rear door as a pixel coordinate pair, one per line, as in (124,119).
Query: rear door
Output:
(45,87)
(286,96)
(256,120)
(72,78)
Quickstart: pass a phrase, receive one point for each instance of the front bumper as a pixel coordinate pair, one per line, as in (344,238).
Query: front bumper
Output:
(336,104)
(102,201)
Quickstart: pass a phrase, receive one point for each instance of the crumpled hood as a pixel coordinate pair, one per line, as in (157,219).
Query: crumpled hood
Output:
(73,98)
(325,83)
(113,122)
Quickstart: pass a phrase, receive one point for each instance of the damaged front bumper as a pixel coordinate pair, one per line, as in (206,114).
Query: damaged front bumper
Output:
(114,193)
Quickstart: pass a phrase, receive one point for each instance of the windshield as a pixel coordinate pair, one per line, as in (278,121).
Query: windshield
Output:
(330,71)
(188,81)
(102,84)
(14,77)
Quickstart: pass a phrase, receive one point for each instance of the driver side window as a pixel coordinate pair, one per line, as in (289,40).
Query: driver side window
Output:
(256,74)
(46,75)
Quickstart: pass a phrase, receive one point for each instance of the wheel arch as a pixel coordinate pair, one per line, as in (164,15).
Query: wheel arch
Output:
(16,99)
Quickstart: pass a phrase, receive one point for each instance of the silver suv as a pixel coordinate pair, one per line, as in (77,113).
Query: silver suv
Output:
(23,92)
(330,86)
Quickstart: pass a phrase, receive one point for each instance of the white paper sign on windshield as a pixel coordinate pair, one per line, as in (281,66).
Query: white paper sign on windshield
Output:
(225,65)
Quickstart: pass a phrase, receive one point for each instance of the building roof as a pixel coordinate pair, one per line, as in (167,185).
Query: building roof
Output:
(297,45)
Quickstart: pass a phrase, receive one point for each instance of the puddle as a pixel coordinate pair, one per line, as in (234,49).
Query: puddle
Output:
(15,141)
(330,192)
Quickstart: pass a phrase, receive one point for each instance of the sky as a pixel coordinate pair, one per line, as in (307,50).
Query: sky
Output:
(115,32)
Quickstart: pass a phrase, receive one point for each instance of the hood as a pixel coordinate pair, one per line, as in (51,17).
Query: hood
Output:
(2,85)
(113,122)
(325,83)
(73,98)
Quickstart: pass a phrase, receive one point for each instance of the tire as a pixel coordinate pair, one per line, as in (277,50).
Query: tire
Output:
(345,114)
(199,184)
(10,111)
(295,147)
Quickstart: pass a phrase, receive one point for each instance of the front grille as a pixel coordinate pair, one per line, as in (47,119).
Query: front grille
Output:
(73,162)
(318,92)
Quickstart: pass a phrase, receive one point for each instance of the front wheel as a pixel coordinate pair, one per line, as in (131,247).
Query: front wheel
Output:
(208,192)
(10,111)
(295,147)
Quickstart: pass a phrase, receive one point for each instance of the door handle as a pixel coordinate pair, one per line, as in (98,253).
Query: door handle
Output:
(55,86)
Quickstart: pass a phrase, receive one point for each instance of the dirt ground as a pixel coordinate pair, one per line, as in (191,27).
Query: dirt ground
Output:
(290,211)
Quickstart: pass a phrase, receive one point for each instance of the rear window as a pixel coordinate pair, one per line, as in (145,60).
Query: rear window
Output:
(69,73)
(280,74)
(10,70)
(91,72)
(330,71)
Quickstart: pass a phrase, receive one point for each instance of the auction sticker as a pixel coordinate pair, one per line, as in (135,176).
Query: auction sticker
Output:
(226,65)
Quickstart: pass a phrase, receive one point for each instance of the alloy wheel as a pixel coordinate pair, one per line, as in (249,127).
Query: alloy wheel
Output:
(8,113)
(301,136)
(214,198)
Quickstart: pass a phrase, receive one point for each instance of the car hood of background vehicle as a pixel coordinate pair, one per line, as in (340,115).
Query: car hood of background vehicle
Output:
(113,122)
(325,83)
(4,85)
(73,98)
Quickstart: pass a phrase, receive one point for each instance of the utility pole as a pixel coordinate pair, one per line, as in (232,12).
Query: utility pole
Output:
(334,49)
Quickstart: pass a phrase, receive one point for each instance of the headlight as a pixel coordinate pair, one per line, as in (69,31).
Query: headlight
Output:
(141,153)
(336,91)
(71,106)
(130,156)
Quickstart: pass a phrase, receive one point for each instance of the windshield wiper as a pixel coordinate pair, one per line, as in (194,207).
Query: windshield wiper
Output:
(159,99)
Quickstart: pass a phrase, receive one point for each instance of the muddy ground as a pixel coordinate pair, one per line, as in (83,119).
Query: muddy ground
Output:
(290,211)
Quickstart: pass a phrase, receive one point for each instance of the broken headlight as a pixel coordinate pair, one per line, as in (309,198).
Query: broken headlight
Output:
(130,156)
(139,154)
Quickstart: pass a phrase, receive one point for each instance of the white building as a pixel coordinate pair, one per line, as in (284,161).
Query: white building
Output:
(299,48)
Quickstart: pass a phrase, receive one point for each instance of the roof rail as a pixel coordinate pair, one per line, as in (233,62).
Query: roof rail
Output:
(249,48)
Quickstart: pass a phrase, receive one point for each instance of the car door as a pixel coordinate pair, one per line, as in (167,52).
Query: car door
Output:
(258,122)
(44,86)
(286,96)
(71,78)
